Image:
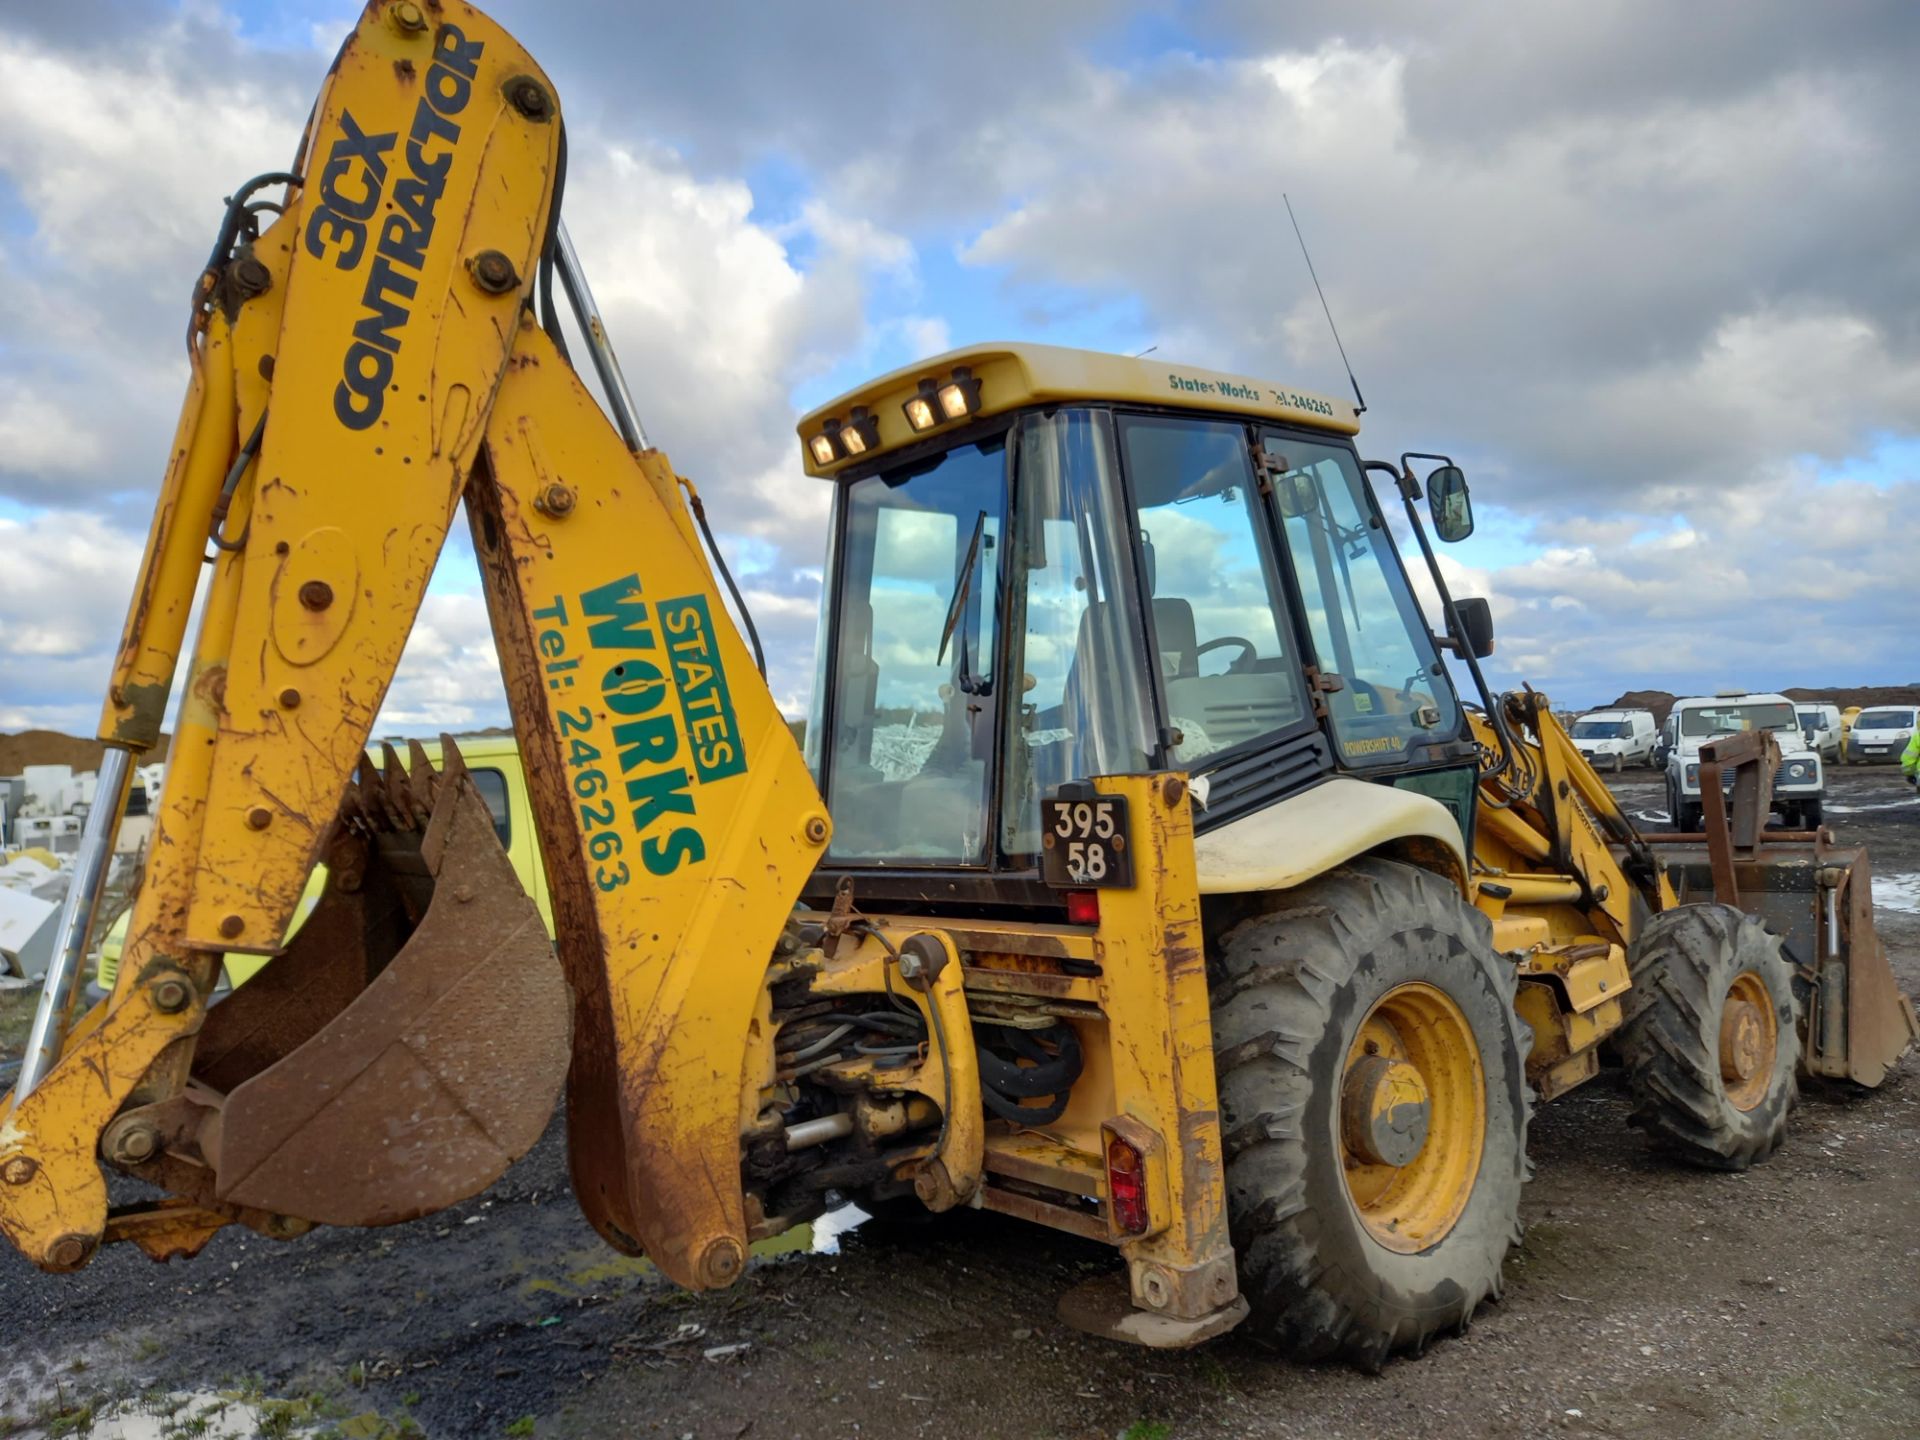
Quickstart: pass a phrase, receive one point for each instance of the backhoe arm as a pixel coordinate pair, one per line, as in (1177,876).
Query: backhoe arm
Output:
(360,366)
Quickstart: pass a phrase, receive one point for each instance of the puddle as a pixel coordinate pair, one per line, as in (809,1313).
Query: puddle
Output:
(1897,892)
(1833,809)
(165,1415)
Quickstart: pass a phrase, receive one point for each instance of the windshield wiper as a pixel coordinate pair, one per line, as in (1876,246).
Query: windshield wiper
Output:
(962,587)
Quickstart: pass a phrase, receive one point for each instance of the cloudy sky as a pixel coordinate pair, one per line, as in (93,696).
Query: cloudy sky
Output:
(1649,271)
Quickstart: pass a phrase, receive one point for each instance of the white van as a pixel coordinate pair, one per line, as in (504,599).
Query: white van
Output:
(1881,733)
(1799,786)
(1821,724)
(1615,739)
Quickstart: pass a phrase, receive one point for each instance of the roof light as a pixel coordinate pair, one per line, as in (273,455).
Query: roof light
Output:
(960,396)
(826,446)
(861,433)
(919,410)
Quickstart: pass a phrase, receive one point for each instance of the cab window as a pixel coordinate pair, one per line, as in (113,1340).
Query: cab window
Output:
(915,623)
(1365,626)
(1080,708)
(492,786)
(1225,659)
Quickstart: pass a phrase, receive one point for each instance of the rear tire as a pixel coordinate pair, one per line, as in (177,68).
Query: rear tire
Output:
(1297,993)
(1711,1087)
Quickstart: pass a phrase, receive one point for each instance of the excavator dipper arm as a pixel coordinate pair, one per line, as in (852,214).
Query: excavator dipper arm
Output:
(361,366)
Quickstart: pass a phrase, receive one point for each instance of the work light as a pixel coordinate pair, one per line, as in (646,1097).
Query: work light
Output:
(826,445)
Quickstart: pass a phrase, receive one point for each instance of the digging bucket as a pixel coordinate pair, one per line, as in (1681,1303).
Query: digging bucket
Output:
(411,1042)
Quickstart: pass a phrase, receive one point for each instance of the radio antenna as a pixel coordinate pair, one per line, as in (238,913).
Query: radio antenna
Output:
(1360,407)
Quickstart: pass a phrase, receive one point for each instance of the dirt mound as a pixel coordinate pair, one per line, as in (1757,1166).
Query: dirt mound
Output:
(1658,701)
(50,747)
(1865,696)
(1845,696)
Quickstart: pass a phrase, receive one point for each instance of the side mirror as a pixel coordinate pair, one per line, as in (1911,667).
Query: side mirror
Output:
(1295,494)
(1476,619)
(1660,753)
(1449,505)
(1812,738)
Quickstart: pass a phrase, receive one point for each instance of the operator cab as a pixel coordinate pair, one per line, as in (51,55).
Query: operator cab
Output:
(1046,565)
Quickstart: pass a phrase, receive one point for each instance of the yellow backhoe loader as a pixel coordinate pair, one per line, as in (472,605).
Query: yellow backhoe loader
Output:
(1146,877)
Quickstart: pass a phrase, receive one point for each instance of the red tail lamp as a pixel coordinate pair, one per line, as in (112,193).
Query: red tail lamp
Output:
(1126,1187)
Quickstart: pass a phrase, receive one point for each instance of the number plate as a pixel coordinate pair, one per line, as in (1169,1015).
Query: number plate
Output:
(1085,840)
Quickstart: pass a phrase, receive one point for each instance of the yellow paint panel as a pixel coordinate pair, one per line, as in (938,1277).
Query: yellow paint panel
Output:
(1014,375)
(677,818)
(391,349)
(1308,834)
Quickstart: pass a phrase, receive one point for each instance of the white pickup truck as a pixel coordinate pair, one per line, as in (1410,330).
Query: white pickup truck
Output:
(1800,786)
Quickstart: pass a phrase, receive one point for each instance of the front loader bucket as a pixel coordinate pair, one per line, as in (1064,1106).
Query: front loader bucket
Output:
(411,1042)
(1818,898)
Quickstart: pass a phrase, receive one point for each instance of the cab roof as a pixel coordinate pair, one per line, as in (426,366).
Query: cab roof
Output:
(1012,375)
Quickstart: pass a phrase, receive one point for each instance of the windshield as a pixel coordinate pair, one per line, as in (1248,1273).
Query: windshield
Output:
(912,712)
(1884,720)
(1601,730)
(1721,719)
(1810,720)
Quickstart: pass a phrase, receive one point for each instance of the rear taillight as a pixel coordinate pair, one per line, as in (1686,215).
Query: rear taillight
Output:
(1126,1187)
(1083,907)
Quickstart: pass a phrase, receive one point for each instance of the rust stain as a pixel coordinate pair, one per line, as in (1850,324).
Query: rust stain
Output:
(210,685)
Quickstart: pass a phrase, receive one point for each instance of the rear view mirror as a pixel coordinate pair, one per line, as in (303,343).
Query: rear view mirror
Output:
(1476,620)
(1448,503)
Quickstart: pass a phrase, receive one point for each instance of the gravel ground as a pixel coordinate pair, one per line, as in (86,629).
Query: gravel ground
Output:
(1646,1301)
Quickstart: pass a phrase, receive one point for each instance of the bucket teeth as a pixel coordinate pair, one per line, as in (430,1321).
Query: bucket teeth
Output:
(411,810)
(392,796)
(425,779)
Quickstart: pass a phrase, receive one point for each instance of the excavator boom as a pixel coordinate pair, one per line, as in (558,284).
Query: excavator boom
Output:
(361,365)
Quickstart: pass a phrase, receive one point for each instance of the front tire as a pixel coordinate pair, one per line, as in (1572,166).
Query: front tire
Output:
(1711,1039)
(1374,1106)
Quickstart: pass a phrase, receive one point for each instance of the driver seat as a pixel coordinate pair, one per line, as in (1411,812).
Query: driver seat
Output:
(1176,638)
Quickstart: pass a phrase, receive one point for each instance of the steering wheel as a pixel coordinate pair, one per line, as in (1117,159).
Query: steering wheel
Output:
(1247,656)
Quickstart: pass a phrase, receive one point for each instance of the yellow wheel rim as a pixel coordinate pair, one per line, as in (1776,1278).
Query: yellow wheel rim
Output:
(1749,1041)
(1413,1117)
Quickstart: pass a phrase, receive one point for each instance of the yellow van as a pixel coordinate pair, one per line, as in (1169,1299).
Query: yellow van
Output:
(494,763)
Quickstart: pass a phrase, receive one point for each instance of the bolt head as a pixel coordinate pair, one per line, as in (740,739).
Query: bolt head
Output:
(231,927)
(18,1170)
(316,595)
(172,995)
(816,830)
(136,1144)
(252,276)
(289,698)
(493,272)
(69,1252)
(407,18)
(721,1262)
(556,500)
(259,817)
(529,97)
